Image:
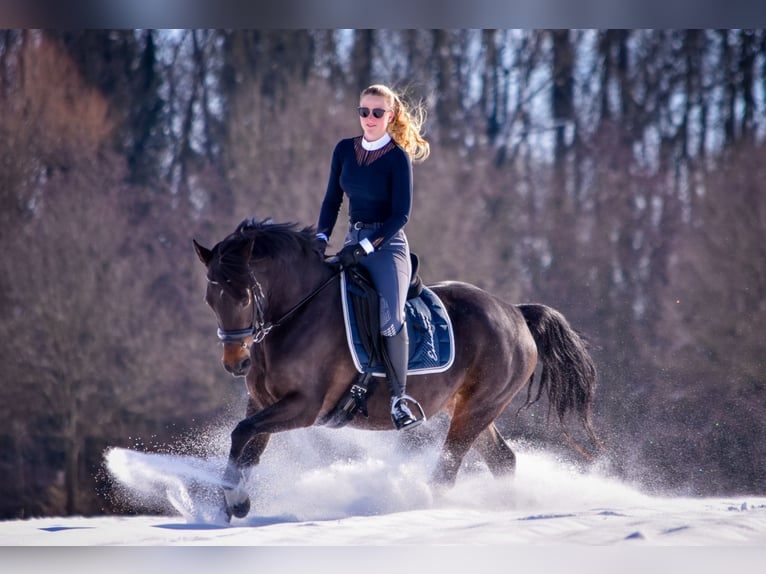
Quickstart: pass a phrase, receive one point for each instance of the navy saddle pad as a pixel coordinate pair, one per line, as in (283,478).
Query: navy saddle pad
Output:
(432,342)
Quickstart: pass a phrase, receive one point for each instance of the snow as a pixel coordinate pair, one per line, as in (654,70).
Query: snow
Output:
(344,499)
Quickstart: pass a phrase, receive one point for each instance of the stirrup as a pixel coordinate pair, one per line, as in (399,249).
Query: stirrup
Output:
(402,416)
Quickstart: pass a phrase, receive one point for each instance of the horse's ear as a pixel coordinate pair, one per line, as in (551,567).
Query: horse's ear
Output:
(204,254)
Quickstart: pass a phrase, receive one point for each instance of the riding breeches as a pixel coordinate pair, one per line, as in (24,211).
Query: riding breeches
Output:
(390,269)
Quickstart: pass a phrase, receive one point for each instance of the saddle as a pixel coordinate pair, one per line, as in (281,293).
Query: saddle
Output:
(429,329)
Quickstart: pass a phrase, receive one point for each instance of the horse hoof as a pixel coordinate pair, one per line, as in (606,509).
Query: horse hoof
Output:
(242,509)
(237,502)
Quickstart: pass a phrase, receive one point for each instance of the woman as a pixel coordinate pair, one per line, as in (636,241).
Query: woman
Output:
(375,171)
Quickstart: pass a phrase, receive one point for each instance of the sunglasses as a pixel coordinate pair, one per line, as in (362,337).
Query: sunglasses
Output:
(377,112)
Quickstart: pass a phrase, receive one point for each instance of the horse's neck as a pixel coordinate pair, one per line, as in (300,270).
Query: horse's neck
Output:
(289,285)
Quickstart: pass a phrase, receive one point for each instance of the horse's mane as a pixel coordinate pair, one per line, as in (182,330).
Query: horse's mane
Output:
(258,240)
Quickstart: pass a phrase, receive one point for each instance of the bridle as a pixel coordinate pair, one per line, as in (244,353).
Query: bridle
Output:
(259,327)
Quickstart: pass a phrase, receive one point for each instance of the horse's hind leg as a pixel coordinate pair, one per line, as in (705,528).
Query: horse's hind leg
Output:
(465,427)
(449,463)
(496,452)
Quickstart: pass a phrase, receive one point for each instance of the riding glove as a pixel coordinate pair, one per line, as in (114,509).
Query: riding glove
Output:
(351,254)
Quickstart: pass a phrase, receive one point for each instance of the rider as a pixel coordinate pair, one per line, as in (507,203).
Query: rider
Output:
(375,171)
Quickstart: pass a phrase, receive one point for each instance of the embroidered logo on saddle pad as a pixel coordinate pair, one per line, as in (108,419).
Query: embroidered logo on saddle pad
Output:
(432,344)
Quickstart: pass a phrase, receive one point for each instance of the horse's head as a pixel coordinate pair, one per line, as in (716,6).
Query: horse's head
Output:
(230,296)
(282,258)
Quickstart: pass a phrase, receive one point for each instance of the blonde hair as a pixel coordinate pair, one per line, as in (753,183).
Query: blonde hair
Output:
(405,128)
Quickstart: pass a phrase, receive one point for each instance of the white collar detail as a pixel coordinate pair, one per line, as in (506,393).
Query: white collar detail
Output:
(377,144)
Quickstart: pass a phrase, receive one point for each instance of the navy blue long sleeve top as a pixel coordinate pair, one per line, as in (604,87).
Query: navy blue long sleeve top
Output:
(378,185)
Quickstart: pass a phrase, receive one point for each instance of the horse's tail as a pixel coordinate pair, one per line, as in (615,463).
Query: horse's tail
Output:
(568,374)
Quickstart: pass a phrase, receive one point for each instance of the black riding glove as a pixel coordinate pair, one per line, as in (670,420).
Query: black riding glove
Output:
(351,254)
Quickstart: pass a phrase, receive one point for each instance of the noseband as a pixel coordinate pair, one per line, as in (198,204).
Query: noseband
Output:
(259,327)
(235,336)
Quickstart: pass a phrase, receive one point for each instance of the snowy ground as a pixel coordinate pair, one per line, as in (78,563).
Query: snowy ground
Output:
(357,494)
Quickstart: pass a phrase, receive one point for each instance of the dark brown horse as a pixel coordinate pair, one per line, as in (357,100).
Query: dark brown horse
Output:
(279,315)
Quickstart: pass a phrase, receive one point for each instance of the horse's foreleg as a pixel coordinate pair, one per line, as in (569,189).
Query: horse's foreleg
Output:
(248,441)
(235,495)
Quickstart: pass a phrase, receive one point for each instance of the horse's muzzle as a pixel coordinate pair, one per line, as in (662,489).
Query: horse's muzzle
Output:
(236,360)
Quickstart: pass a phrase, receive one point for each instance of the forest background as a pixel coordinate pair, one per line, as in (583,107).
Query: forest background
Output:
(616,175)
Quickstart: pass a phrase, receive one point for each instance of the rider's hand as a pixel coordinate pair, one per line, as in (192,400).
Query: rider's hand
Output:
(351,254)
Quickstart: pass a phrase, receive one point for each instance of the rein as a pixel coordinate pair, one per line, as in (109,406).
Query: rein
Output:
(260,328)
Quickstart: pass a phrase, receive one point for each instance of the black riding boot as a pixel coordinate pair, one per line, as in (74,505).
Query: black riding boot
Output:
(397,351)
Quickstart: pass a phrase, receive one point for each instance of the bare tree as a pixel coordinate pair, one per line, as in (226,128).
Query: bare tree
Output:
(92,339)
